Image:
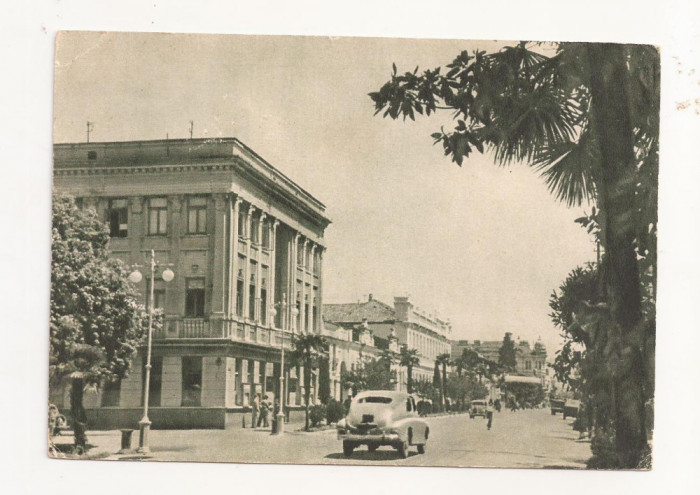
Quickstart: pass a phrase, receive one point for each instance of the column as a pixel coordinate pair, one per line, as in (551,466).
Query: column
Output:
(303,299)
(294,245)
(273,263)
(258,268)
(320,289)
(246,269)
(311,328)
(218,271)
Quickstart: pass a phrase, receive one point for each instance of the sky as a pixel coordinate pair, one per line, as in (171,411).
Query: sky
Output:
(480,245)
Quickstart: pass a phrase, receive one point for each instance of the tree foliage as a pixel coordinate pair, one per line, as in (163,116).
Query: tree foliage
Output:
(408,358)
(96,325)
(369,374)
(506,354)
(308,350)
(586,117)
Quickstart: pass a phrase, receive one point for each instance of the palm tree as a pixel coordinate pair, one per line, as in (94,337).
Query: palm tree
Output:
(307,349)
(587,118)
(443,360)
(409,358)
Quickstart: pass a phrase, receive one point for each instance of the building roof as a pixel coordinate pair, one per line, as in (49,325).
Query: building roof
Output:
(372,311)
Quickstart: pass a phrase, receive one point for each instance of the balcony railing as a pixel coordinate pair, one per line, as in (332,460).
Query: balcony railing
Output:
(202,328)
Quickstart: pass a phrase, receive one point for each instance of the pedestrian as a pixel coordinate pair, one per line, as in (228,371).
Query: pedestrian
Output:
(256,410)
(489,416)
(264,411)
(497,405)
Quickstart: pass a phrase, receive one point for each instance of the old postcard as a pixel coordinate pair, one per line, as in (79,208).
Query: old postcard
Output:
(374,251)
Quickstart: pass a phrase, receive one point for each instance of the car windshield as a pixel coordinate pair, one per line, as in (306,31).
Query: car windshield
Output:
(375,400)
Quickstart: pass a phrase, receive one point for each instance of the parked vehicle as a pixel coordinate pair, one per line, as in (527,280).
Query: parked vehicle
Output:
(478,408)
(383,417)
(556,405)
(571,408)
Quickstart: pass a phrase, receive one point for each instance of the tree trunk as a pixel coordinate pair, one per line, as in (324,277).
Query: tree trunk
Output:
(307,392)
(409,379)
(610,115)
(77,411)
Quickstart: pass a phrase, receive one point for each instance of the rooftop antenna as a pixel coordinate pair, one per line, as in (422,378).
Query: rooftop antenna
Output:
(191,128)
(89,126)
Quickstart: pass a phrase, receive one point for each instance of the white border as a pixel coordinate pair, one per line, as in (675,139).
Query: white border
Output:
(28,39)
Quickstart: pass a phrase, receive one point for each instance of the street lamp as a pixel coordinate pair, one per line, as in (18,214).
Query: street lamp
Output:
(279,419)
(136,277)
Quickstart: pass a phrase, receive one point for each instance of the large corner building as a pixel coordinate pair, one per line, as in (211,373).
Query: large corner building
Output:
(241,238)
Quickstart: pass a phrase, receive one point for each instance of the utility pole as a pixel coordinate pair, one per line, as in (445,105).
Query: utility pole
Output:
(191,128)
(89,127)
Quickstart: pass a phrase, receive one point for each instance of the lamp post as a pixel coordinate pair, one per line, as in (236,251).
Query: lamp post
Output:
(279,419)
(135,277)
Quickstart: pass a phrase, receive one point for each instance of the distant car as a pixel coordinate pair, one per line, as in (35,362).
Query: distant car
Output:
(571,408)
(383,417)
(556,405)
(478,408)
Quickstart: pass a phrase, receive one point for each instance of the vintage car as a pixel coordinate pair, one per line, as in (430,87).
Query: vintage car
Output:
(383,417)
(571,408)
(478,408)
(556,405)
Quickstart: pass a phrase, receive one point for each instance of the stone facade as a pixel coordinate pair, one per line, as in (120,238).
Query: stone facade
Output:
(242,240)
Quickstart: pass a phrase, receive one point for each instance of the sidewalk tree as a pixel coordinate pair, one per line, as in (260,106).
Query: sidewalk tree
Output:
(443,360)
(324,380)
(307,350)
(437,383)
(96,325)
(506,354)
(408,358)
(586,116)
(369,374)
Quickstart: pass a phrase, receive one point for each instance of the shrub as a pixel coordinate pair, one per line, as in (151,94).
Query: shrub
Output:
(334,411)
(317,414)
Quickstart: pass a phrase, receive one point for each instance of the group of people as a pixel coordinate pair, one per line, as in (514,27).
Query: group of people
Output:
(261,411)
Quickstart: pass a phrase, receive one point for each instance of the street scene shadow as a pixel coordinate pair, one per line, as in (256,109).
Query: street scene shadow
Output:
(366,455)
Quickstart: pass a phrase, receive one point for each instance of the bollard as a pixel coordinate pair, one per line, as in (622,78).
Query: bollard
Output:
(126,441)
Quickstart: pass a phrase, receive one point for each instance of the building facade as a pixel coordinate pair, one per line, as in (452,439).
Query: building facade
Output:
(246,246)
(410,326)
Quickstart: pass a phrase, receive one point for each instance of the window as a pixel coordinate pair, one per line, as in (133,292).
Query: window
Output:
(154,391)
(111,391)
(251,290)
(194,297)
(266,235)
(300,254)
(197,215)
(317,261)
(263,296)
(238,382)
(158,216)
(191,381)
(375,400)
(92,155)
(240,287)
(254,224)
(158,294)
(241,223)
(118,216)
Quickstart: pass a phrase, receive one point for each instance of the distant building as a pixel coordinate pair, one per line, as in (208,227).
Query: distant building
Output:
(242,239)
(411,327)
(529,361)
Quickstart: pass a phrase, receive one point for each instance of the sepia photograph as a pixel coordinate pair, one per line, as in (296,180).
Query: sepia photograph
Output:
(353,250)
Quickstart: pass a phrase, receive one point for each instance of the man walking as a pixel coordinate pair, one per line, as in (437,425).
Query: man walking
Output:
(489,416)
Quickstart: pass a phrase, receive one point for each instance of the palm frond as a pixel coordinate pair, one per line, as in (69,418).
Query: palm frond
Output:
(569,169)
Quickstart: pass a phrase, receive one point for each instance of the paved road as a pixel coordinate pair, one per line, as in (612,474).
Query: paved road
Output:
(522,439)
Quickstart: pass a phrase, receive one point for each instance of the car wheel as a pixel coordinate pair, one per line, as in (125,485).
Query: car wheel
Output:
(471,417)
(348,447)
(564,414)
(403,449)
(553,413)
(372,447)
(421,448)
